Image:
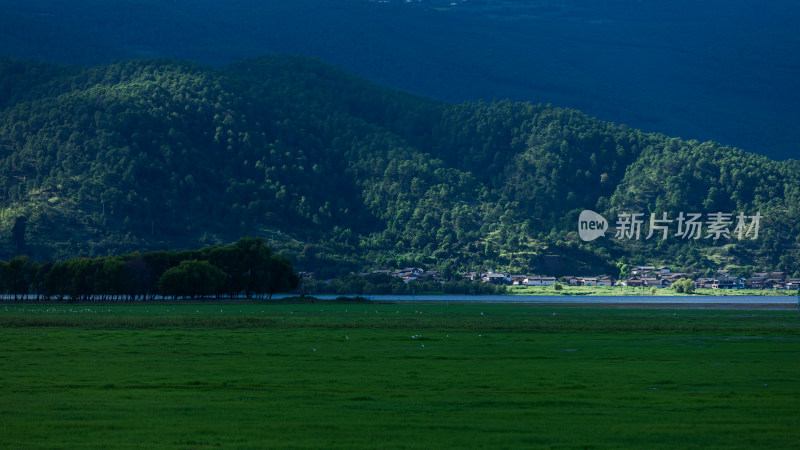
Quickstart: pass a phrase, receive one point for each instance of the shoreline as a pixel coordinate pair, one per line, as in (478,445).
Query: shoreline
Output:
(624,291)
(696,302)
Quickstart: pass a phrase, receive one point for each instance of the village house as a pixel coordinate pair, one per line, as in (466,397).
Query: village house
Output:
(772,283)
(541,281)
(778,276)
(409,277)
(728,283)
(792,283)
(775,284)
(606,281)
(756,282)
(471,276)
(496,278)
(409,273)
(642,270)
(518,280)
(633,282)
(574,281)
(672,277)
(429,275)
(652,282)
(533,280)
(704,283)
(307,276)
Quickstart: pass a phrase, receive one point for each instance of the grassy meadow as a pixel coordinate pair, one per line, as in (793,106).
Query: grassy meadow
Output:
(367,375)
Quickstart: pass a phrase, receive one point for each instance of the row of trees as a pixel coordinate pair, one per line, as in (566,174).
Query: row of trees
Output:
(246,268)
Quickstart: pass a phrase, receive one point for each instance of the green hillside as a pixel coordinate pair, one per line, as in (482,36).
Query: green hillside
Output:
(344,175)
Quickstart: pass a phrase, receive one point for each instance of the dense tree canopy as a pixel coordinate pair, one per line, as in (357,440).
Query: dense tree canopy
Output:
(245,268)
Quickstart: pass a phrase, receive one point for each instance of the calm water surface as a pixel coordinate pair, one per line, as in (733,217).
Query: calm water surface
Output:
(742,300)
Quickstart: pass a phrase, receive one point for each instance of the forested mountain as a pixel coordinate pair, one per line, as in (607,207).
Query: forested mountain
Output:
(341,174)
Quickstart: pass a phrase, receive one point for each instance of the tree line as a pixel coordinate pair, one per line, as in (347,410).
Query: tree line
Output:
(246,268)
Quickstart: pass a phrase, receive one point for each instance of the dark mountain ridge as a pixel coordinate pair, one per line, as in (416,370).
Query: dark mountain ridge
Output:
(708,70)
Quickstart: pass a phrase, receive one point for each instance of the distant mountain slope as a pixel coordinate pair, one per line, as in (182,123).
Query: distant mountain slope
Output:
(711,70)
(343,174)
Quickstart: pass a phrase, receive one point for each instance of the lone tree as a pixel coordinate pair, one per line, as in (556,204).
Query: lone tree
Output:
(683,286)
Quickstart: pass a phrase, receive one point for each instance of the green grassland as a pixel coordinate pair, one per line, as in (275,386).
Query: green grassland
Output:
(367,375)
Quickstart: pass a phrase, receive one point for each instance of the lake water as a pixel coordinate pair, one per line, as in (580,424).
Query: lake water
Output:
(708,301)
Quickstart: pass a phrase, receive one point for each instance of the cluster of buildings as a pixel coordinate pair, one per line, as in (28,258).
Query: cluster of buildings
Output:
(646,276)
(639,276)
(410,274)
(649,276)
(538,280)
(508,279)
